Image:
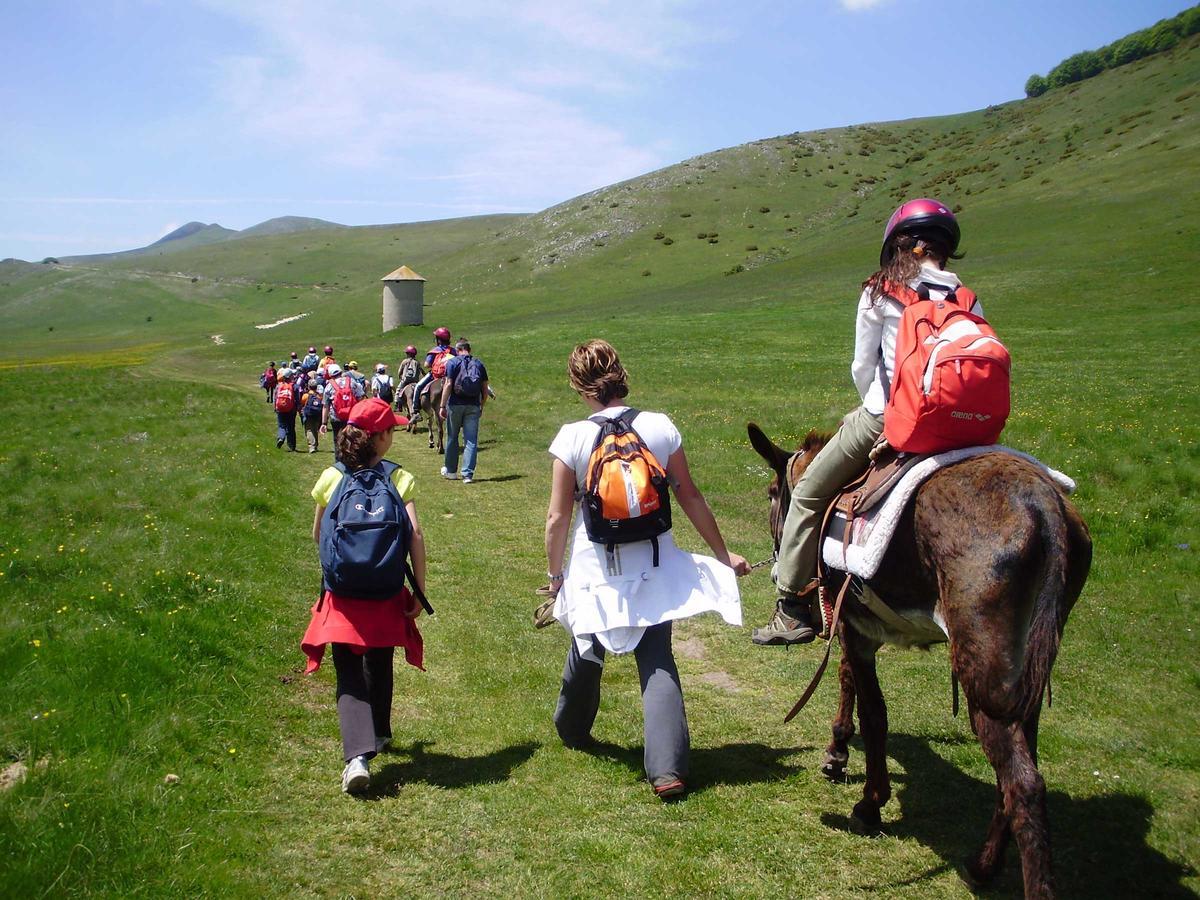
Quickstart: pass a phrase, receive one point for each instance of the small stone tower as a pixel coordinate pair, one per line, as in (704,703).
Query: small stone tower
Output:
(403,298)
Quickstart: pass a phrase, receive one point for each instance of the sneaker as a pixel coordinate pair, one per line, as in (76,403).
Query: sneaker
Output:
(785,628)
(382,744)
(446,473)
(467,479)
(667,787)
(356,777)
(279,443)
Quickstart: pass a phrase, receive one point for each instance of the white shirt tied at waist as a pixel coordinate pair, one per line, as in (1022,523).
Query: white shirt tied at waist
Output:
(615,604)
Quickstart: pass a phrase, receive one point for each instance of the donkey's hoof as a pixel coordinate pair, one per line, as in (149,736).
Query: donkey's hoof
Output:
(834,771)
(834,766)
(865,820)
(977,873)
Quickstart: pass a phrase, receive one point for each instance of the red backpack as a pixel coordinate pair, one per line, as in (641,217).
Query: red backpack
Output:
(285,397)
(439,362)
(950,384)
(343,398)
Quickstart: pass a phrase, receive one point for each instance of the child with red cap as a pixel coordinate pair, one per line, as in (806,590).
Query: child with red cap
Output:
(365,629)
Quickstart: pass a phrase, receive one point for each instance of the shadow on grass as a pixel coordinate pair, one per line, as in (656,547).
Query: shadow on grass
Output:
(1099,843)
(711,766)
(443,769)
(497,478)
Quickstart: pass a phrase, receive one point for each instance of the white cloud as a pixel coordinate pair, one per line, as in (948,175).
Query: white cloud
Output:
(859,5)
(489,95)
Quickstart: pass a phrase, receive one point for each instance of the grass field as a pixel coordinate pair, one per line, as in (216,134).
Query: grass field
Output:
(156,569)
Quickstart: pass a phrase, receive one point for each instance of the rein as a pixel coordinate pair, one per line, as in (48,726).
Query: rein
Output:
(763,562)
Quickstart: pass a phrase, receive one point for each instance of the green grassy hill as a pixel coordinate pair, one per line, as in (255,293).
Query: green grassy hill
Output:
(156,570)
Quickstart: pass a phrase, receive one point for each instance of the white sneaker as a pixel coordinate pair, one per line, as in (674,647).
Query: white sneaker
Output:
(382,744)
(467,479)
(356,777)
(453,476)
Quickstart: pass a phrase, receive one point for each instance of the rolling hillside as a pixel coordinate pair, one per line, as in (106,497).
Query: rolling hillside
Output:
(1084,170)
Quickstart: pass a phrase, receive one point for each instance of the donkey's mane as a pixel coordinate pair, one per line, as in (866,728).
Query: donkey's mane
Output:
(815,440)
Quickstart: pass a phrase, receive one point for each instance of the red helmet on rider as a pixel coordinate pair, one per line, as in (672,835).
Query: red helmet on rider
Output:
(442,334)
(410,350)
(920,216)
(328,351)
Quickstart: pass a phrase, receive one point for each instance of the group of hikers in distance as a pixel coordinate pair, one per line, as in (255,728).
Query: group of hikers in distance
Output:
(321,393)
(613,474)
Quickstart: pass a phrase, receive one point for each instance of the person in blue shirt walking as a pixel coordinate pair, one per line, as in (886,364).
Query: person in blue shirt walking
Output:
(464,393)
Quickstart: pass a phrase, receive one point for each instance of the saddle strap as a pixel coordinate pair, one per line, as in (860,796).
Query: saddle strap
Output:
(816,679)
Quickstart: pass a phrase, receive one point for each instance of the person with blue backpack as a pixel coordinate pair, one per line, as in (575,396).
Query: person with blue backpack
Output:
(464,393)
(367,531)
(312,404)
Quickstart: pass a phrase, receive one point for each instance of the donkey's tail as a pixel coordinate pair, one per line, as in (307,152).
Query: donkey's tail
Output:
(1049,613)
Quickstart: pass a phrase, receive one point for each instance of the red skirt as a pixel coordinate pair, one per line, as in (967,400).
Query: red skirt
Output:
(362,624)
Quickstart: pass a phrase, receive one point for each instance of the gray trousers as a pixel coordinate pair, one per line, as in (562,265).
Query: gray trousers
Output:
(844,457)
(364,698)
(664,720)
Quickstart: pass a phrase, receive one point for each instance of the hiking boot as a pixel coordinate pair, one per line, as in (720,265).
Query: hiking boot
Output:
(667,787)
(356,777)
(791,624)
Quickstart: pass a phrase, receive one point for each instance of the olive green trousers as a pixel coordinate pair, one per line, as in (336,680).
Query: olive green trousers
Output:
(839,461)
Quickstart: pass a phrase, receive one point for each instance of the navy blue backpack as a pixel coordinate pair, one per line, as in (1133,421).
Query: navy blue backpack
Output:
(366,535)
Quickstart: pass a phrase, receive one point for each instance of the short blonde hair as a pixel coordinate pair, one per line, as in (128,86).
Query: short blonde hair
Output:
(595,371)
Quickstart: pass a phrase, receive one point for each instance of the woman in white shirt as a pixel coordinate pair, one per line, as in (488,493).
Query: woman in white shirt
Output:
(618,600)
(919,238)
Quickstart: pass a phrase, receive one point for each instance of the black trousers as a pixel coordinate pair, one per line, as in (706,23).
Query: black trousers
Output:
(364,698)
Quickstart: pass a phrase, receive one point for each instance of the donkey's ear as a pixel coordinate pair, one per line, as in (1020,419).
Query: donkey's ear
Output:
(776,458)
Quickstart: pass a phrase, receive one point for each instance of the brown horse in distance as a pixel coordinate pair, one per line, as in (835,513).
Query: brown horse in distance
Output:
(993,552)
(430,400)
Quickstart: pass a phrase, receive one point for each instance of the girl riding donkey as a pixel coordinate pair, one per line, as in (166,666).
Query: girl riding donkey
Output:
(920,237)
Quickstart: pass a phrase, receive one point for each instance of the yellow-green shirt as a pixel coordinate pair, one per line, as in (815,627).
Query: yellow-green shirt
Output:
(323,490)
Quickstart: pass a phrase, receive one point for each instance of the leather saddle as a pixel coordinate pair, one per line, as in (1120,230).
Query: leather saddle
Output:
(864,493)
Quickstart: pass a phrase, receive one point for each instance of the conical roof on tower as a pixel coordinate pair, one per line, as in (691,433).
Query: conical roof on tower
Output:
(404,273)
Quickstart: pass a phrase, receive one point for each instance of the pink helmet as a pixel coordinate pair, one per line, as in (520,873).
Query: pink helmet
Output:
(410,350)
(442,334)
(919,216)
(328,350)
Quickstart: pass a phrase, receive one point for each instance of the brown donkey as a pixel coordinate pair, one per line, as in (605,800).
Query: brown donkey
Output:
(431,399)
(992,551)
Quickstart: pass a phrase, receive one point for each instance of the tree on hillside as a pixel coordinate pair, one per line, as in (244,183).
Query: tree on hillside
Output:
(1158,38)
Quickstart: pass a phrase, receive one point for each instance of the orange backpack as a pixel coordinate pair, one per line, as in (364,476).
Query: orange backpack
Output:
(950,383)
(625,495)
(285,397)
(439,362)
(342,400)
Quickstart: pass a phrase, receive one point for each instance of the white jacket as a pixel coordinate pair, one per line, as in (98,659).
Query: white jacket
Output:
(875,336)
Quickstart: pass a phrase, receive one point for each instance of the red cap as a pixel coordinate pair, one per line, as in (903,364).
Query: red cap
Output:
(374,416)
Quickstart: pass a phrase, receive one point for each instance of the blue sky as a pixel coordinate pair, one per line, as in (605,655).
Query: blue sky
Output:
(126,118)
